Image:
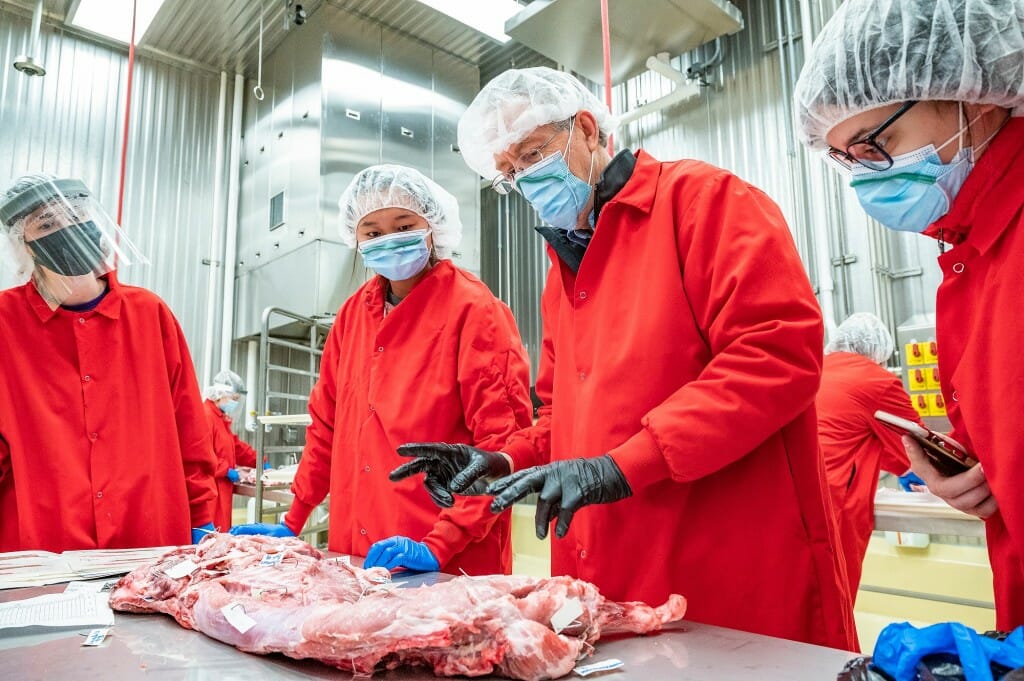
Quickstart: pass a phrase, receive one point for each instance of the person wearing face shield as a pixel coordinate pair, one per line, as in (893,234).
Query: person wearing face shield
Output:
(422,350)
(681,356)
(930,131)
(102,437)
(856,446)
(221,400)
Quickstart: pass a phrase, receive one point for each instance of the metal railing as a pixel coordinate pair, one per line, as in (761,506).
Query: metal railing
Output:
(295,403)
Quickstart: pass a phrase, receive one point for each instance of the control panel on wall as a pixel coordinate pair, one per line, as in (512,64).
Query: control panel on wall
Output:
(922,378)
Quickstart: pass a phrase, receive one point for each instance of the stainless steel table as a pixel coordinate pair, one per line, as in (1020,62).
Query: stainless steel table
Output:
(905,512)
(155,647)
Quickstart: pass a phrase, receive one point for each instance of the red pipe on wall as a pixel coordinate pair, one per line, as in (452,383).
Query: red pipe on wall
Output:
(606,47)
(127,116)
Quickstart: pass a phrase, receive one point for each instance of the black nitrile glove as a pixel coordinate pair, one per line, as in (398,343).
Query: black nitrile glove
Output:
(564,487)
(450,468)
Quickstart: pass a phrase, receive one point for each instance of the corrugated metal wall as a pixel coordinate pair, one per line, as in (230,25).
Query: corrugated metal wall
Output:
(70,123)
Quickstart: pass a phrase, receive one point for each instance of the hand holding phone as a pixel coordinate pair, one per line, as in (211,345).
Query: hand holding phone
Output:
(946,455)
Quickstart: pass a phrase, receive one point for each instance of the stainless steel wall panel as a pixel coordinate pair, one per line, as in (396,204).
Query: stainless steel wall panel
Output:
(352,87)
(407,100)
(455,85)
(348,95)
(70,122)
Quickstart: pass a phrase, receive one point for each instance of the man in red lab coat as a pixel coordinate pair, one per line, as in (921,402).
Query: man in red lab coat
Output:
(933,147)
(681,356)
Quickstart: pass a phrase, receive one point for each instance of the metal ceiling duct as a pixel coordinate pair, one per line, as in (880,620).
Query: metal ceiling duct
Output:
(638,31)
(26,63)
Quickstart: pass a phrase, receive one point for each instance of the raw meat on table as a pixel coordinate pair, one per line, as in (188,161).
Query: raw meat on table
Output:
(280,595)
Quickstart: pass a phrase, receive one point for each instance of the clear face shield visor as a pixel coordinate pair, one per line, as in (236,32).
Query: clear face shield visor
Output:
(60,234)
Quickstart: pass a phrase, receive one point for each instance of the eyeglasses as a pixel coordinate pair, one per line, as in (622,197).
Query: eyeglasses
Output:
(505,183)
(867,151)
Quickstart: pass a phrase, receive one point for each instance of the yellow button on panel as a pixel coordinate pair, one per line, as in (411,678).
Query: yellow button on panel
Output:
(936,404)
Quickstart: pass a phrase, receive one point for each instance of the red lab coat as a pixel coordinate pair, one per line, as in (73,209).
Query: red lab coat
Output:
(688,346)
(446,365)
(979,329)
(230,452)
(856,445)
(107,446)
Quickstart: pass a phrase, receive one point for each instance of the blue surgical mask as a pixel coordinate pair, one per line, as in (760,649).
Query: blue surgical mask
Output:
(229,406)
(917,190)
(554,191)
(397,256)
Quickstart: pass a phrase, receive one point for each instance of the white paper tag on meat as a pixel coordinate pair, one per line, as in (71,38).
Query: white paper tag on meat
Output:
(236,617)
(378,578)
(271,559)
(566,615)
(182,569)
(96,637)
(597,667)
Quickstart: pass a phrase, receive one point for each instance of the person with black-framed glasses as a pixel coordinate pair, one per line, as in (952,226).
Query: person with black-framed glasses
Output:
(930,130)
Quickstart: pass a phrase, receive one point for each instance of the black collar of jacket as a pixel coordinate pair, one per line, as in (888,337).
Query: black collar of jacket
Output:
(613,179)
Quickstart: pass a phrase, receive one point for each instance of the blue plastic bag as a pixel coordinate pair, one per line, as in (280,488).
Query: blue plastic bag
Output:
(901,646)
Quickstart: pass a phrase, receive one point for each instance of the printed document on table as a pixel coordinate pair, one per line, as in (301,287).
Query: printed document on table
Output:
(63,610)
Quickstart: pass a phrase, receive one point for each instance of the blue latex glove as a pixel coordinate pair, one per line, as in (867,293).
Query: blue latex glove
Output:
(233,475)
(397,552)
(266,465)
(268,529)
(901,646)
(199,532)
(909,479)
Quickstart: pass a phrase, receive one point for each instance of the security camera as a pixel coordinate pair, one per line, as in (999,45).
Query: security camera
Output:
(300,15)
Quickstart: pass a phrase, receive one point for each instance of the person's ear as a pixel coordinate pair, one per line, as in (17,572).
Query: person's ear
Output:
(587,124)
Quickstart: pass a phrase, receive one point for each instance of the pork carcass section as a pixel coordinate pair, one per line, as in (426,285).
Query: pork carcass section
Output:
(279,595)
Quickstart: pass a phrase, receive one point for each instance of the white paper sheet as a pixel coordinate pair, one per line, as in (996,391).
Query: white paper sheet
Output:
(75,609)
(37,568)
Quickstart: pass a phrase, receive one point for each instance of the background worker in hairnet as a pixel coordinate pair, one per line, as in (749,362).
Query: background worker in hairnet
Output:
(929,128)
(102,437)
(422,351)
(221,399)
(681,356)
(856,446)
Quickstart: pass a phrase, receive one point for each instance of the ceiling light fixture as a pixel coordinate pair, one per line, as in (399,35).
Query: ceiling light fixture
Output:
(113,18)
(486,16)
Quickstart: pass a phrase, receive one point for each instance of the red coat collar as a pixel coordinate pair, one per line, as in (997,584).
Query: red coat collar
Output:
(642,187)
(109,307)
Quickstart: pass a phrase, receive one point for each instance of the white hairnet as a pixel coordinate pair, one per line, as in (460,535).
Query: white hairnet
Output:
(225,383)
(864,334)
(878,52)
(515,104)
(395,186)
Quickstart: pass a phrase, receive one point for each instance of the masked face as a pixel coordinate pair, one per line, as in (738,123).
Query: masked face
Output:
(915,192)
(228,405)
(554,190)
(398,256)
(72,251)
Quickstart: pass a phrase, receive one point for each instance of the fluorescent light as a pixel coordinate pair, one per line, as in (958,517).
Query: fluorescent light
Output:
(486,16)
(113,18)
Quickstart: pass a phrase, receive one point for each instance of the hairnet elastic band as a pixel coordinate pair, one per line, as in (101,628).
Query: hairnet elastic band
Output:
(20,205)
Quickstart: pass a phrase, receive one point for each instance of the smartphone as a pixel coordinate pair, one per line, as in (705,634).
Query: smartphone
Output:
(948,456)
